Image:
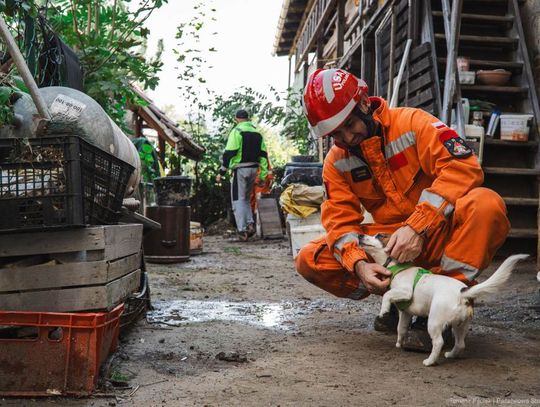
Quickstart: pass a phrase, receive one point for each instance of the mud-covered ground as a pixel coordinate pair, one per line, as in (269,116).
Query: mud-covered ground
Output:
(237,326)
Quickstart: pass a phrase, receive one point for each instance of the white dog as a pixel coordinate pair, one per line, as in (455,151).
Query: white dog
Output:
(444,300)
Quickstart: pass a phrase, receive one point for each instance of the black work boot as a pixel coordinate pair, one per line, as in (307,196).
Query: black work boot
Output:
(417,338)
(388,322)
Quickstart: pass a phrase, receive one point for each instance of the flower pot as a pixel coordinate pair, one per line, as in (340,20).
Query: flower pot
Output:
(173,190)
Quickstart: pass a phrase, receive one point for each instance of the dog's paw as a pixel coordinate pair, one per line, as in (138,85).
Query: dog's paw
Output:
(429,362)
(450,355)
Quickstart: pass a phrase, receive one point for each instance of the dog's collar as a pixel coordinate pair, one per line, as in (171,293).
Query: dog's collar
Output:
(388,261)
(399,267)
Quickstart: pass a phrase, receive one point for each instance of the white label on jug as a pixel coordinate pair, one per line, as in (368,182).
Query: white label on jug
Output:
(67,108)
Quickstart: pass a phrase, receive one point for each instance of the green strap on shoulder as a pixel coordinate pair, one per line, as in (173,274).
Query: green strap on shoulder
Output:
(396,269)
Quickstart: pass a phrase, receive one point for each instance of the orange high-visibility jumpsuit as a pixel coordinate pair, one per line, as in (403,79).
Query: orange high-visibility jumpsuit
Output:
(418,173)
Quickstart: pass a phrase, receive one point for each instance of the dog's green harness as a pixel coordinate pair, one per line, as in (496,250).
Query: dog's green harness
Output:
(396,269)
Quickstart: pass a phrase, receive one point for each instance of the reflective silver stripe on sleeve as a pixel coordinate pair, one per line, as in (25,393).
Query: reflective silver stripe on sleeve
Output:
(349,237)
(435,200)
(347,164)
(358,293)
(399,145)
(468,271)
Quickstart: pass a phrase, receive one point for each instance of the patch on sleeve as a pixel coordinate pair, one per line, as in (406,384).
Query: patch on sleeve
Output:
(455,145)
(360,173)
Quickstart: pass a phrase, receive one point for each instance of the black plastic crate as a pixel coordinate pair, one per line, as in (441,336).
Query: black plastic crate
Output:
(55,182)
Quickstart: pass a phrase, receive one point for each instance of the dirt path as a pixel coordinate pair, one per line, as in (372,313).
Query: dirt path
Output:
(243,329)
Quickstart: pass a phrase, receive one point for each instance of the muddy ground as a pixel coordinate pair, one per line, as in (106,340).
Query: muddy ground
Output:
(237,326)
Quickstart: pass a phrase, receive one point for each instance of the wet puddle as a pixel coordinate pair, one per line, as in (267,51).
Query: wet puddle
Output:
(265,315)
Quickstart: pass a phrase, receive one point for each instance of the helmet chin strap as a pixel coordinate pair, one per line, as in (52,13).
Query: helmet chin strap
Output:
(368,120)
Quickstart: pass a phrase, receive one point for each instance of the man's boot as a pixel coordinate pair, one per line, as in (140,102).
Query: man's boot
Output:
(417,337)
(388,322)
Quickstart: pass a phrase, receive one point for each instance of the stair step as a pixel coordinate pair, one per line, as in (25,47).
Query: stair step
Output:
(517,201)
(509,143)
(486,64)
(531,233)
(496,89)
(511,171)
(482,39)
(480,17)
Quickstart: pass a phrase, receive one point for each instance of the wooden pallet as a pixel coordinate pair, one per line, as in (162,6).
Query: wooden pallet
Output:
(87,269)
(268,218)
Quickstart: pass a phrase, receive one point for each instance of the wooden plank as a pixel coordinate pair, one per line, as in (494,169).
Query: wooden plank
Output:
(523,233)
(420,67)
(422,98)
(269,219)
(516,201)
(495,89)
(104,297)
(489,64)
(511,171)
(483,39)
(122,240)
(20,244)
(490,18)
(420,52)
(66,275)
(510,143)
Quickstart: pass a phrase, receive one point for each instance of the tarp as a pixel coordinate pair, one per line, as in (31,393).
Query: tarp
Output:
(301,200)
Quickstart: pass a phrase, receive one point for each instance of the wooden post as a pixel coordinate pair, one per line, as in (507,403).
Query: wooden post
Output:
(392,56)
(340,28)
(452,45)
(320,52)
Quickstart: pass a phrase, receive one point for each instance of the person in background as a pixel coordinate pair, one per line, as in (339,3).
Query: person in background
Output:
(245,154)
(418,179)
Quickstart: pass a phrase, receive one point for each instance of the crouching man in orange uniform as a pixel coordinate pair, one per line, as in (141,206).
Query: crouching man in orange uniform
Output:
(419,180)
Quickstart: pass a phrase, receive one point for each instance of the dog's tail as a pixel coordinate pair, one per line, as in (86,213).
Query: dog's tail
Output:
(492,284)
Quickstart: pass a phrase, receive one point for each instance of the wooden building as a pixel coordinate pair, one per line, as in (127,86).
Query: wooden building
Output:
(407,51)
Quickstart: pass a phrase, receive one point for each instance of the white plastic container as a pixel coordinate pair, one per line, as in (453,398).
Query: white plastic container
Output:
(295,221)
(515,126)
(467,77)
(302,235)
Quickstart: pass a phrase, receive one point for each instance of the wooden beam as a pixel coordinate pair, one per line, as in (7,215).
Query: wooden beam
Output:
(309,33)
(340,28)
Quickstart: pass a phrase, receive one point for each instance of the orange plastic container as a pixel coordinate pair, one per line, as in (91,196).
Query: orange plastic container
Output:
(55,353)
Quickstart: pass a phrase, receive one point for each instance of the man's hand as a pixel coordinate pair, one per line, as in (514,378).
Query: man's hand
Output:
(404,244)
(218,178)
(375,277)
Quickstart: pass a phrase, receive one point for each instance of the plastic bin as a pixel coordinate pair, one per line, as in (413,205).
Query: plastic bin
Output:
(54,182)
(296,221)
(302,235)
(515,126)
(43,354)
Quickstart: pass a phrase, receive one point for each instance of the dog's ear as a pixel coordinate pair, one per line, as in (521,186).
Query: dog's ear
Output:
(383,238)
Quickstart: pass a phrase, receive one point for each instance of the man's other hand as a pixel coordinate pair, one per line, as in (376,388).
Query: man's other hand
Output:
(218,178)
(404,244)
(375,277)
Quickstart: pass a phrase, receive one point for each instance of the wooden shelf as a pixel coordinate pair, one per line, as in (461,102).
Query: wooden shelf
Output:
(523,233)
(481,17)
(516,201)
(495,89)
(482,39)
(489,64)
(510,143)
(511,171)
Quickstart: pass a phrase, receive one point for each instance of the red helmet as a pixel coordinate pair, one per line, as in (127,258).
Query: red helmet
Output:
(329,98)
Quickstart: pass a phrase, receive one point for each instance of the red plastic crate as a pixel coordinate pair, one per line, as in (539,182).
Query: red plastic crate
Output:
(64,355)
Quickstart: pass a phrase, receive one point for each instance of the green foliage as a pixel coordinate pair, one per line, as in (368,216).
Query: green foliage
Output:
(6,111)
(109,38)
(212,118)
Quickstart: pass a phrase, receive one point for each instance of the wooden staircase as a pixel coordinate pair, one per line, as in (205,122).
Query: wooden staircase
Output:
(491,36)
